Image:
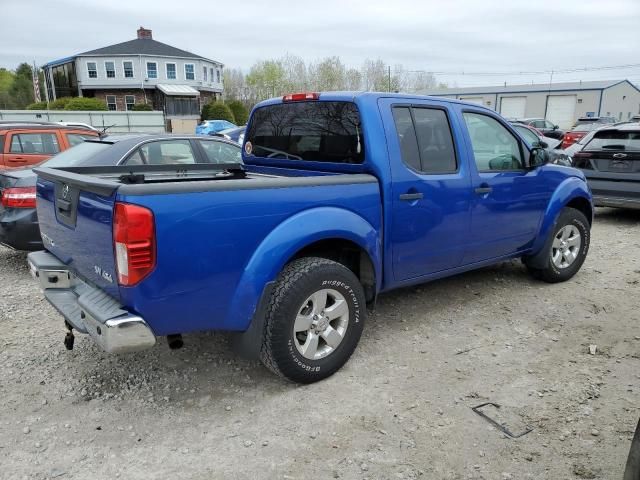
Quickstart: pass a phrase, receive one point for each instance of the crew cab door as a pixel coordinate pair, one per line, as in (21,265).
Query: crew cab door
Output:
(23,148)
(508,198)
(430,191)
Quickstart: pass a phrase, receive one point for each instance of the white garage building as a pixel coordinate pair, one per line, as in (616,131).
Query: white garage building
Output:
(560,103)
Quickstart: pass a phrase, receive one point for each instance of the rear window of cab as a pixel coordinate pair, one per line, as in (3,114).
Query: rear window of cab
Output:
(315,131)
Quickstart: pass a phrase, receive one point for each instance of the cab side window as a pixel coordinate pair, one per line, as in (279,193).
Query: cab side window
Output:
(426,143)
(494,147)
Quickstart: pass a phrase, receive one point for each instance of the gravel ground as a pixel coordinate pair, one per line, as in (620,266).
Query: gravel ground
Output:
(401,408)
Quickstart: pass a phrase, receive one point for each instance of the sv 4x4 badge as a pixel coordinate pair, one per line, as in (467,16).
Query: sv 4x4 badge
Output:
(101,273)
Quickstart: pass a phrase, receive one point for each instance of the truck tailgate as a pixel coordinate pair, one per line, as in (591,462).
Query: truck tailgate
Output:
(76,217)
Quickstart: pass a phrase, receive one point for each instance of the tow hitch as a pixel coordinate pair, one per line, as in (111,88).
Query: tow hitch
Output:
(69,337)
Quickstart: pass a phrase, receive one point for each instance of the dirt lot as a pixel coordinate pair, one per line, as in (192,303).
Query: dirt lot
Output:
(401,408)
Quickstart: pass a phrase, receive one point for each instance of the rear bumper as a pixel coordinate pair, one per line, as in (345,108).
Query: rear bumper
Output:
(88,309)
(610,192)
(617,202)
(19,229)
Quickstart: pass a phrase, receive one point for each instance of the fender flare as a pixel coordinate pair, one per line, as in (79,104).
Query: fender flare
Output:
(569,189)
(288,238)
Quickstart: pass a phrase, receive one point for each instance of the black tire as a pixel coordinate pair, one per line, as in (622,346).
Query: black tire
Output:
(298,281)
(552,273)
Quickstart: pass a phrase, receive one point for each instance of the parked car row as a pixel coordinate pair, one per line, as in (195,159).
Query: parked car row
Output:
(551,145)
(610,160)
(19,227)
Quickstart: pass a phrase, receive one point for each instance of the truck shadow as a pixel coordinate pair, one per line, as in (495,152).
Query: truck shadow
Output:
(207,371)
(618,216)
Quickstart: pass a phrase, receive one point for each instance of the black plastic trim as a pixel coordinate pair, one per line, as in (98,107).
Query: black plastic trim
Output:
(84,182)
(251,183)
(248,343)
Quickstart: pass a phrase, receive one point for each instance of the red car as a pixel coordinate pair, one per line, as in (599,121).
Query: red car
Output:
(23,144)
(583,126)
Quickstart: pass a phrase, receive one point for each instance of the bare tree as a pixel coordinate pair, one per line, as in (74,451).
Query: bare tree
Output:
(274,77)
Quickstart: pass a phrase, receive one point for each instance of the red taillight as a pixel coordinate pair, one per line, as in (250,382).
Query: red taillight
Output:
(19,197)
(570,138)
(134,243)
(300,97)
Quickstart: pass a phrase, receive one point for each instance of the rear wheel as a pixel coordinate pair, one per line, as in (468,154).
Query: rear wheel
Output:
(314,320)
(568,248)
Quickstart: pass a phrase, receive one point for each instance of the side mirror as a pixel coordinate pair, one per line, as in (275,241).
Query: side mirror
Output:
(538,157)
(556,127)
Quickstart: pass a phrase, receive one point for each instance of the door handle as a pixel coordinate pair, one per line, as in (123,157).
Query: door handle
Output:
(411,196)
(484,188)
(63,205)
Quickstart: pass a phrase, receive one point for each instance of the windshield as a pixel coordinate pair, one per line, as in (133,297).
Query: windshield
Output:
(76,155)
(528,135)
(615,140)
(587,126)
(311,131)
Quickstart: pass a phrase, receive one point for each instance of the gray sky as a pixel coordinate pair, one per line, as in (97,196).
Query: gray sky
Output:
(441,36)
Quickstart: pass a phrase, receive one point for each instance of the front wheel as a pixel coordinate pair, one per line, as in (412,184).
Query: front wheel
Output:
(568,248)
(314,320)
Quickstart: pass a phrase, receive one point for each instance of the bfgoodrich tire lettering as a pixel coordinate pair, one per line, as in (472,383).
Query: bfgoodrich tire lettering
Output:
(567,249)
(302,291)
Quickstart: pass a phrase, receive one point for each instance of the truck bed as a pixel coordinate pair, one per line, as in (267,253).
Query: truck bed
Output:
(211,223)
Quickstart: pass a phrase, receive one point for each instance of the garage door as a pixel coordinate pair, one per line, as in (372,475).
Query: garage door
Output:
(478,100)
(561,110)
(513,107)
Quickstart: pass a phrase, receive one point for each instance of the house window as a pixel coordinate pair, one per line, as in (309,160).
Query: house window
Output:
(152,70)
(130,101)
(204,73)
(211,73)
(171,71)
(218,75)
(92,69)
(189,71)
(111,102)
(110,68)
(128,69)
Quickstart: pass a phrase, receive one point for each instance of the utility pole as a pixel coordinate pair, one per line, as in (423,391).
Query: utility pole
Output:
(548,95)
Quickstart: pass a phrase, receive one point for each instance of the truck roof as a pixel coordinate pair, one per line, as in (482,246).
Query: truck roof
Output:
(352,96)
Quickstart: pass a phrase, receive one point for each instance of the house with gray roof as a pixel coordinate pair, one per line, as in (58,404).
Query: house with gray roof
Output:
(560,103)
(142,70)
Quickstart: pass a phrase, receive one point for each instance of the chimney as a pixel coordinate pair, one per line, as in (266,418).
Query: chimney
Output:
(144,33)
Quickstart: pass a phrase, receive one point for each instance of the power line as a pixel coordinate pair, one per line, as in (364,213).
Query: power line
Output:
(538,72)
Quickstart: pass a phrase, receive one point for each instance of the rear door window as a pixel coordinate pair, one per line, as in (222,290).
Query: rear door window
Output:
(167,152)
(425,139)
(309,131)
(221,152)
(34,143)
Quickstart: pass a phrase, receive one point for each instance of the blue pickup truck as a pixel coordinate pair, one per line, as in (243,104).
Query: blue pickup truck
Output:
(342,196)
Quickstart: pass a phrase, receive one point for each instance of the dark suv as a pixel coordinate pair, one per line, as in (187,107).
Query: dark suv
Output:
(611,163)
(547,128)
